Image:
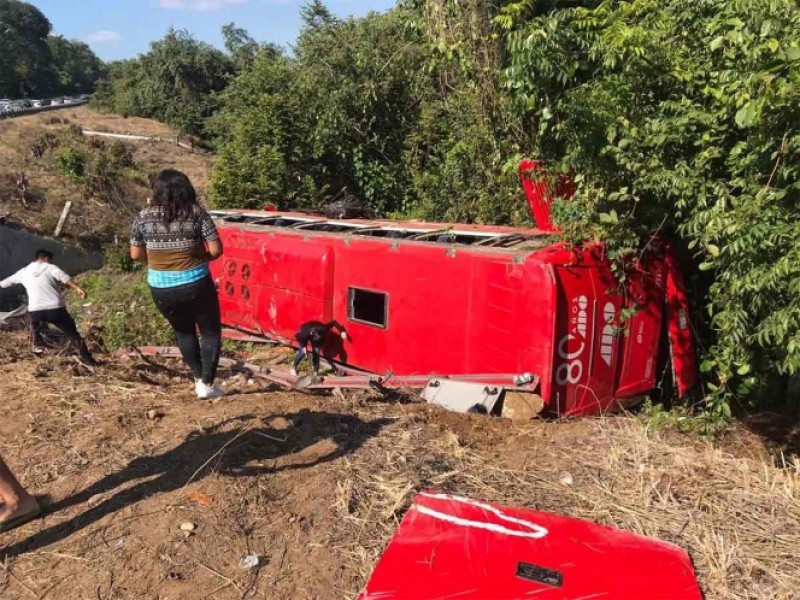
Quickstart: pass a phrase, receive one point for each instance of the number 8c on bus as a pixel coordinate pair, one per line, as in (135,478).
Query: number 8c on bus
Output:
(571,370)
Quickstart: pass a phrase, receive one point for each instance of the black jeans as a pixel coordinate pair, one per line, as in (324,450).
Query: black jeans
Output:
(189,308)
(61,318)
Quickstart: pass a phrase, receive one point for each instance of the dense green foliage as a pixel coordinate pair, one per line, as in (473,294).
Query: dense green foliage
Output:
(175,83)
(681,116)
(77,67)
(678,117)
(34,63)
(296,129)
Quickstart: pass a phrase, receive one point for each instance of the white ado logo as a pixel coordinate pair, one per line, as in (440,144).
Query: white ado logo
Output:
(571,370)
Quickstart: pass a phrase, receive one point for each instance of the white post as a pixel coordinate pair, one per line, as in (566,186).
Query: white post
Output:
(63,219)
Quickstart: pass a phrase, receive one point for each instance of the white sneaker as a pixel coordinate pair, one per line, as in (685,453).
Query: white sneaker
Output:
(206,392)
(293,372)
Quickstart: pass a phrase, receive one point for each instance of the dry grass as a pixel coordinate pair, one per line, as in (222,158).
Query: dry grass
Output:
(97,121)
(89,217)
(738,517)
(317,485)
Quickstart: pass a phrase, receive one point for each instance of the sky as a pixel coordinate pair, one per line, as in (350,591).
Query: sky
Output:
(124,28)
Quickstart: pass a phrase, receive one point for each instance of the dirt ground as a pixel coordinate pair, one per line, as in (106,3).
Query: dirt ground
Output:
(316,485)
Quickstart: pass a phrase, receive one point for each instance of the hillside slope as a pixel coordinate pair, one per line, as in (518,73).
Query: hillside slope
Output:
(40,169)
(316,485)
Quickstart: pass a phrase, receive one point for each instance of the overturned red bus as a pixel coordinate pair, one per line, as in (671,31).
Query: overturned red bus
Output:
(434,299)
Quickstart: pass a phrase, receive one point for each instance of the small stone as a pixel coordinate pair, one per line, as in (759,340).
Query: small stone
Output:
(154,414)
(251,382)
(292,519)
(188,527)
(566,479)
(249,562)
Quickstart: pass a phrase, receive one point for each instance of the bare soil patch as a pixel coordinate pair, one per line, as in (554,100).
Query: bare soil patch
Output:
(316,485)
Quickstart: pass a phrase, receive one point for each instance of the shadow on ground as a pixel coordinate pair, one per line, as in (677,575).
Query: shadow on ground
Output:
(232,452)
(779,430)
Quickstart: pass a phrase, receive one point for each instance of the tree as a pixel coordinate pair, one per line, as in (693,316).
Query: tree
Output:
(264,141)
(242,48)
(333,117)
(359,80)
(315,15)
(175,82)
(681,118)
(77,67)
(25,59)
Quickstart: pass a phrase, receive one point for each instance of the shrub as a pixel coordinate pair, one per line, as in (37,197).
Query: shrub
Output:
(70,162)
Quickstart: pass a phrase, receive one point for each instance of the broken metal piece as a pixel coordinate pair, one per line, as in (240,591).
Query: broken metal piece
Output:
(480,391)
(461,396)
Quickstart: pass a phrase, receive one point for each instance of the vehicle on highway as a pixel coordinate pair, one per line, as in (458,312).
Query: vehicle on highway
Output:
(57,101)
(36,103)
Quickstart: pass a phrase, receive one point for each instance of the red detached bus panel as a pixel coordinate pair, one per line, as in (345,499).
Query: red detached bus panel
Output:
(452,547)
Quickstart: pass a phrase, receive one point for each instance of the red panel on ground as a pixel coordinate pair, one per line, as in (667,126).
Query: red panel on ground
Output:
(450,547)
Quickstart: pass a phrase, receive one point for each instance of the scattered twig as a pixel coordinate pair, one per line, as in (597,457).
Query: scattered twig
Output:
(221,576)
(18,582)
(47,591)
(213,456)
(271,437)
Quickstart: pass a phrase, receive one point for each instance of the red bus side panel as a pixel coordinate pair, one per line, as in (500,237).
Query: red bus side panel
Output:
(273,284)
(586,349)
(643,330)
(684,361)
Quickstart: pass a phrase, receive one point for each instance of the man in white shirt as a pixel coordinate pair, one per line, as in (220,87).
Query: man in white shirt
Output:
(42,281)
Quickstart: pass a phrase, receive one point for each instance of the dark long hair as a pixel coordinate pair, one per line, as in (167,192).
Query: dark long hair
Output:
(175,194)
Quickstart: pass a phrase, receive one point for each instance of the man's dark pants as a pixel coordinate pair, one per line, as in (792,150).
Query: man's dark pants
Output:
(63,321)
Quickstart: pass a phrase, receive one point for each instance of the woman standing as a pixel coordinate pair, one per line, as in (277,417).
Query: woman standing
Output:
(177,239)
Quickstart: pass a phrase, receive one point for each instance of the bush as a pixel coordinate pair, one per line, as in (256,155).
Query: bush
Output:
(118,259)
(99,167)
(120,154)
(70,162)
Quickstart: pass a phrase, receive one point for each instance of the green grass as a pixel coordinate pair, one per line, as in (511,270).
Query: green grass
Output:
(121,304)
